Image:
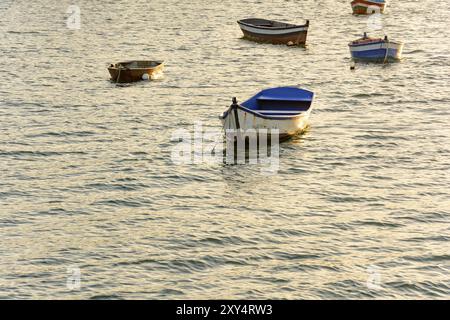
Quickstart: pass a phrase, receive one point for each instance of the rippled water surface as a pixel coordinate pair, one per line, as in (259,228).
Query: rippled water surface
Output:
(358,209)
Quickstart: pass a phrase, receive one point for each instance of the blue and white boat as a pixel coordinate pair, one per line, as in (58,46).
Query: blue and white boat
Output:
(376,49)
(285,109)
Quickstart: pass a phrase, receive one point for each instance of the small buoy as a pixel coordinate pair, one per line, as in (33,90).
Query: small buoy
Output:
(290,43)
(352,65)
(145,76)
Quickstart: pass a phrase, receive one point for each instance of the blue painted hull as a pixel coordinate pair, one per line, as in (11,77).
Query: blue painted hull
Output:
(376,51)
(377,54)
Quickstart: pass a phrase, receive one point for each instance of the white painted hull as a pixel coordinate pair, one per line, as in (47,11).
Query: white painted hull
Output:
(287,126)
(272,32)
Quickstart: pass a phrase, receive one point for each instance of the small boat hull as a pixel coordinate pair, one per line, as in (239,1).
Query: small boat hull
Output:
(287,128)
(368,7)
(133,71)
(283,111)
(274,32)
(380,51)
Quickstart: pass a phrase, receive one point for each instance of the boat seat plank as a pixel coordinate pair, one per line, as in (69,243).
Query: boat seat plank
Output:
(279,111)
(269,98)
(290,104)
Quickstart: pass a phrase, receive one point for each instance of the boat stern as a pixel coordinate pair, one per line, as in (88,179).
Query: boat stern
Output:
(366,7)
(377,52)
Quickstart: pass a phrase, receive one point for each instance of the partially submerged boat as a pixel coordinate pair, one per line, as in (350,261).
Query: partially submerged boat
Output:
(376,49)
(368,6)
(285,109)
(132,71)
(275,32)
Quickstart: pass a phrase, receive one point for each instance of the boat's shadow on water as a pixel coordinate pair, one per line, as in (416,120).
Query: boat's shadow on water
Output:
(137,84)
(389,61)
(364,64)
(256,152)
(375,62)
(300,46)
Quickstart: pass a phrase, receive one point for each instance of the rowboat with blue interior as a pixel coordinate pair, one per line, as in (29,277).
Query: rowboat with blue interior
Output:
(285,109)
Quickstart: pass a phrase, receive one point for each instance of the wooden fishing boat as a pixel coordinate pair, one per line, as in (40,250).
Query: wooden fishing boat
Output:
(368,6)
(285,109)
(274,32)
(375,49)
(132,71)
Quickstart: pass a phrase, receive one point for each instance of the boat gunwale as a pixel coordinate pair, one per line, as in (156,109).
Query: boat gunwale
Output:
(123,63)
(368,2)
(300,114)
(287,27)
(381,41)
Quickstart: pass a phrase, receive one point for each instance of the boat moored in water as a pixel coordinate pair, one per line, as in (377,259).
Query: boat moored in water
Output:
(376,49)
(284,110)
(368,6)
(275,32)
(132,71)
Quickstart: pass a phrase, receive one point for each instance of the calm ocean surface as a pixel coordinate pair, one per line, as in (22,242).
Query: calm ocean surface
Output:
(358,209)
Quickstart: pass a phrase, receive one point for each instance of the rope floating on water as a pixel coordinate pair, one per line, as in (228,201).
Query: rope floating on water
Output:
(387,49)
(118,76)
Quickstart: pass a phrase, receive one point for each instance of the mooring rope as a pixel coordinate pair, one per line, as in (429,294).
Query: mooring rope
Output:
(118,76)
(387,50)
